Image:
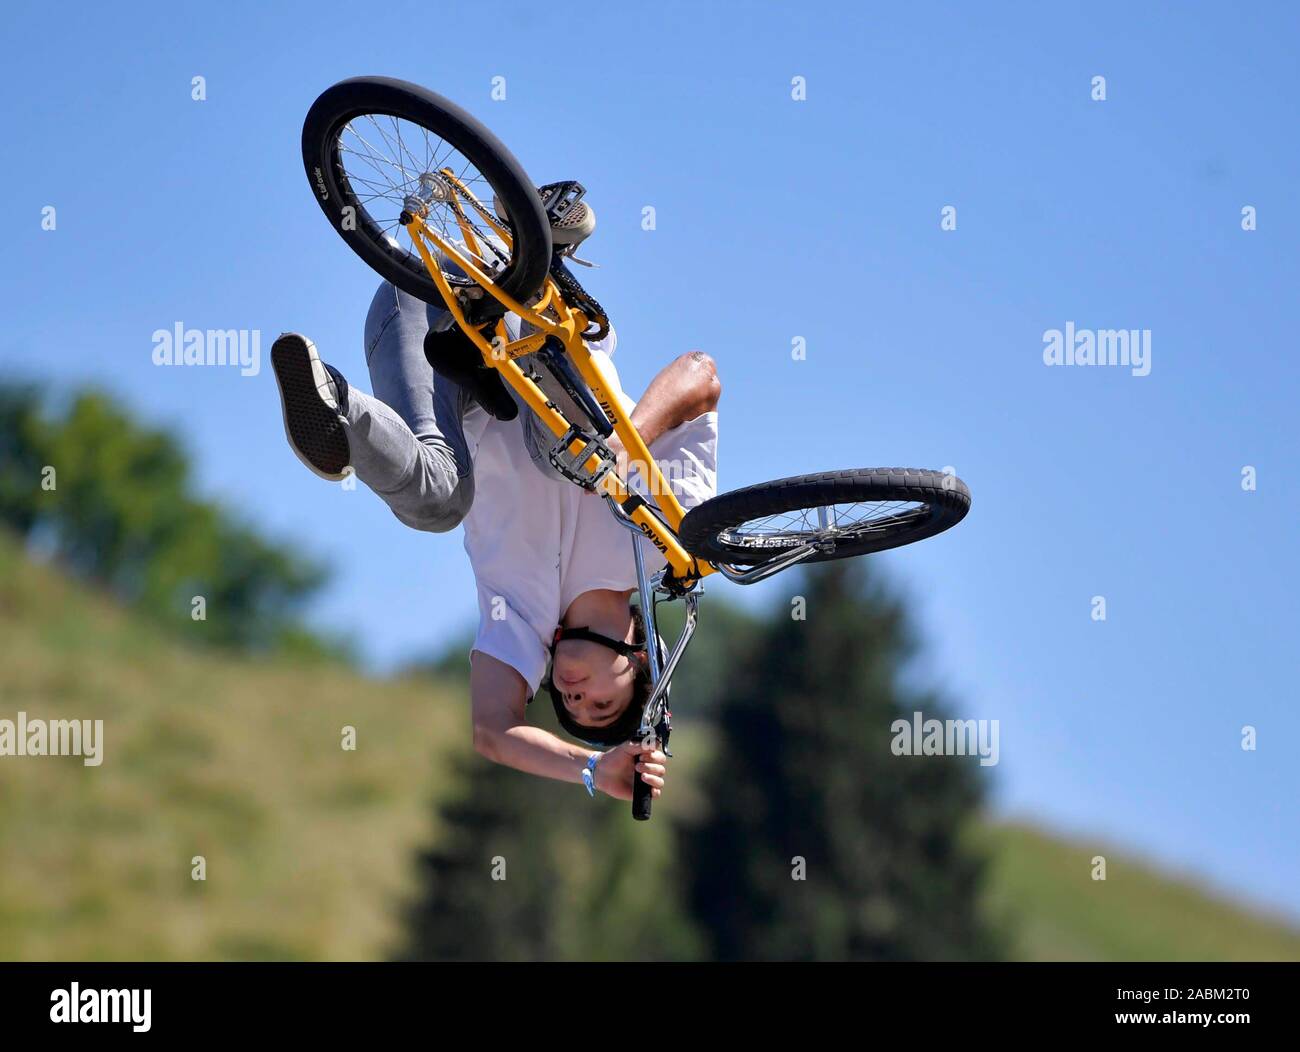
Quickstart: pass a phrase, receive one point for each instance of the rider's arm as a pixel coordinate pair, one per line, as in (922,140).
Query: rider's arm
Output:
(498,696)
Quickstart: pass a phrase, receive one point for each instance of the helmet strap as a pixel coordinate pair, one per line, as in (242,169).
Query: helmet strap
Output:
(585,633)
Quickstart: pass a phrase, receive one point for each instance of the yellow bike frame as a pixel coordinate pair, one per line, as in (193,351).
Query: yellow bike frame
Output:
(550,315)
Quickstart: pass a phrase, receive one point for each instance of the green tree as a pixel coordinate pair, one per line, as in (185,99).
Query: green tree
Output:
(24,453)
(486,892)
(804,771)
(122,512)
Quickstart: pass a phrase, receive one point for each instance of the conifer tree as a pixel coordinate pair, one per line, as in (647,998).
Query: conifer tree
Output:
(805,785)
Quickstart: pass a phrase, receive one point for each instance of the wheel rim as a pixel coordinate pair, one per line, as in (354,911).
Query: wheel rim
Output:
(854,521)
(390,164)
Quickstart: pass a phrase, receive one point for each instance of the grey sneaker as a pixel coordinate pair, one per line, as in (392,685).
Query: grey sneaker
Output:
(574,227)
(314,400)
(572,221)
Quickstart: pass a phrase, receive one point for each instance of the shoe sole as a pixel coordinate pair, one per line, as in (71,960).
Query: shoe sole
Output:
(316,432)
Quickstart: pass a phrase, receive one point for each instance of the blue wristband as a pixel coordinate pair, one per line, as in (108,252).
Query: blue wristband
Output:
(589,773)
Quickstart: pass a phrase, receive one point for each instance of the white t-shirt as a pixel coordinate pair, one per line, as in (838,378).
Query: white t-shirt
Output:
(537,543)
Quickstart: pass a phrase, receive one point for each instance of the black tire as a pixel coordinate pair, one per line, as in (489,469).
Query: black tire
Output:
(329,115)
(708,530)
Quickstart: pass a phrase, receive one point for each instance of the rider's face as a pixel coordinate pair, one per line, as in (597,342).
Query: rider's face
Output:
(595,682)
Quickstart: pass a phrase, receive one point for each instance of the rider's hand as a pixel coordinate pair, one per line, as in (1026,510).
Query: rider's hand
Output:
(620,455)
(615,768)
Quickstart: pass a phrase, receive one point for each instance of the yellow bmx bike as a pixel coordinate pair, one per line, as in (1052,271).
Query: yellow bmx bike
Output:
(435,204)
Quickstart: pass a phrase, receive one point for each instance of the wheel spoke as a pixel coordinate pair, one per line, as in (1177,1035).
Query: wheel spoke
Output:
(834,521)
(382,166)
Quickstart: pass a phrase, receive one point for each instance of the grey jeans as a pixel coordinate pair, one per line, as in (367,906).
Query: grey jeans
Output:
(407,439)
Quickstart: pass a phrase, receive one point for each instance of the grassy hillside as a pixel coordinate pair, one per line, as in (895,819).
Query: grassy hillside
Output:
(1042,887)
(308,847)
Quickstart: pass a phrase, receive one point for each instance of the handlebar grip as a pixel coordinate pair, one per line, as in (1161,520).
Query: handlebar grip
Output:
(641,798)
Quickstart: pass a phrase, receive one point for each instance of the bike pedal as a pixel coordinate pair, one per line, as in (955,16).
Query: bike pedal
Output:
(572,465)
(559,199)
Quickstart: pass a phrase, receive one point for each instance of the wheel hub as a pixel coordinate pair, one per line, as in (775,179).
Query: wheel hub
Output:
(434,186)
(434,189)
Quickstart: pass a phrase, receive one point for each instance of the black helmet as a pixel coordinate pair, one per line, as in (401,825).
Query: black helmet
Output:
(629,721)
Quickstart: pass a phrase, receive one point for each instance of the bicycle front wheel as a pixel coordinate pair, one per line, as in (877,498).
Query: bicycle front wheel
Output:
(845,513)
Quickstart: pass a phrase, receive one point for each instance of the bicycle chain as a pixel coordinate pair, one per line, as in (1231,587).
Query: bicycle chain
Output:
(576,296)
(483,213)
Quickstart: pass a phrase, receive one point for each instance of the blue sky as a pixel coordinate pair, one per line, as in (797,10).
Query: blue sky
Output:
(778,219)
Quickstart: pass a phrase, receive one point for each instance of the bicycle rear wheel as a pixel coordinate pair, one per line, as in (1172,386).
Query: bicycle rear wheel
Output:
(848,513)
(373,146)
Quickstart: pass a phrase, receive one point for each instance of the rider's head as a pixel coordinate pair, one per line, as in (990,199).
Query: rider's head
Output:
(600,685)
